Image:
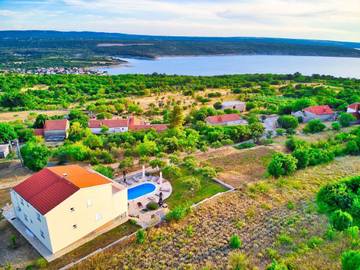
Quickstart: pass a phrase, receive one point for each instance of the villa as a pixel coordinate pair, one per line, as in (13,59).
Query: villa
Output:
(225,120)
(58,206)
(4,150)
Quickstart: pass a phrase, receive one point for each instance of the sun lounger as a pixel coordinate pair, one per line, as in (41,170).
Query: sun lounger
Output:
(164,189)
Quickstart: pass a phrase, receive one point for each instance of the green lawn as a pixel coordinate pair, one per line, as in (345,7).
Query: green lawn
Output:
(181,195)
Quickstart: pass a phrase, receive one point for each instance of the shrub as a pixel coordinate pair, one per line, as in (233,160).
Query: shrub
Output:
(285,239)
(126,163)
(302,157)
(276,266)
(336,126)
(314,126)
(107,171)
(288,121)
(192,182)
(35,155)
(352,148)
(238,261)
(235,241)
(189,231)
(171,172)
(345,119)
(350,260)
(152,206)
(41,263)
(13,241)
(341,220)
(314,242)
(353,232)
(319,156)
(293,143)
(218,105)
(140,236)
(282,164)
(177,213)
(280,131)
(245,145)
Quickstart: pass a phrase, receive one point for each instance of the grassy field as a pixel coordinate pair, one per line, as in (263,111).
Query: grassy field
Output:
(182,195)
(25,115)
(273,218)
(239,167)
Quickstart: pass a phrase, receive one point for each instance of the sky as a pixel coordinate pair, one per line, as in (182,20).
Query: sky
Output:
(312,19)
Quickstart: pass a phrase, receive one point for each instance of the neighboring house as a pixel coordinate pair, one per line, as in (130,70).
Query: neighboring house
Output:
(123,125)
(4,150)
(323,113)
(114,125)
(225,120)
(354,109)
(235,105)
(61,205)
(54,130)
(136,125)
(270,123)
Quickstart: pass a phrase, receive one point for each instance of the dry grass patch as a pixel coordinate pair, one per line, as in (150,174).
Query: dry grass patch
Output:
(238,167)
(24,115)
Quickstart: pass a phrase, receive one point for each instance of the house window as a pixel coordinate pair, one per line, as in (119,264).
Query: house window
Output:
(89,203)
(74,226)
(42,234)
(19,209)
(98,216)
(38,217)
(26,217)
(72,209)
(22,201)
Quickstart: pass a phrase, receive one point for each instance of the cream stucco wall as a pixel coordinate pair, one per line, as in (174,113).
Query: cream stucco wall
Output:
(92,208)
(31,218)
(111,130)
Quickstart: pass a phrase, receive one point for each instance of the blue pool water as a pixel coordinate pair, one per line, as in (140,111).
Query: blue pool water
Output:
(140,190)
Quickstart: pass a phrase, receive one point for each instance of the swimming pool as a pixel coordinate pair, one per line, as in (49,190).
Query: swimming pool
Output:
(140,190)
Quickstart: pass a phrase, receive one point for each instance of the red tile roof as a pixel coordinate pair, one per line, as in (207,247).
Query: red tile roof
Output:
(217,119)
(355,106)
(110,123)
(157,127)
(319,110)
(49,187)
(45,190)
(56,125)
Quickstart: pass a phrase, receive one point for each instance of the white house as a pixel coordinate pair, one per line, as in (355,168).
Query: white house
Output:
(114,125)
(323,113)
(4,150)
(61,205)
(234,104)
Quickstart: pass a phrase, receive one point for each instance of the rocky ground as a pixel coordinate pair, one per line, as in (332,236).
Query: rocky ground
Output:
(265,216)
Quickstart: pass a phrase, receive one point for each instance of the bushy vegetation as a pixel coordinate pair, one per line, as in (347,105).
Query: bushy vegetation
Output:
(314,126)
(350,260)
(282,164)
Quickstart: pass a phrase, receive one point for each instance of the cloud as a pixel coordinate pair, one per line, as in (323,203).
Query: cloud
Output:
(321,19)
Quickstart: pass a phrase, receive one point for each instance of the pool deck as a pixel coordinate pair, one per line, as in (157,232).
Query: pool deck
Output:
(137,207)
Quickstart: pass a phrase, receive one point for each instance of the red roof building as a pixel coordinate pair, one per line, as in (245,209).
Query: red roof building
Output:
(110,123)
(49,187)
(319,110)
(51,125)
(225,119)
(355,107)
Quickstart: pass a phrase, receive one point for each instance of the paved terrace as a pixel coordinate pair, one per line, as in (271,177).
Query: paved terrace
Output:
(137,207)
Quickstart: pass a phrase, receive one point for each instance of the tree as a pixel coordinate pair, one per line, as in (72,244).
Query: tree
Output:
(176,117)
(40,121)
(93,141)
(352,148)
(341,220)
(7,133)
(282,164)
(314,126)
(217,105)
(288,121)
(235,242)
(345,119)
(35,155)
(78,132)
(302,103)
(257,130)
(336,126)
(302,157)
(126,163)
(350,260)
(78,116)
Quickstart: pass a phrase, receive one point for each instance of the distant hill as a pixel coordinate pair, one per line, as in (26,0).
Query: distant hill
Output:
(29,49)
